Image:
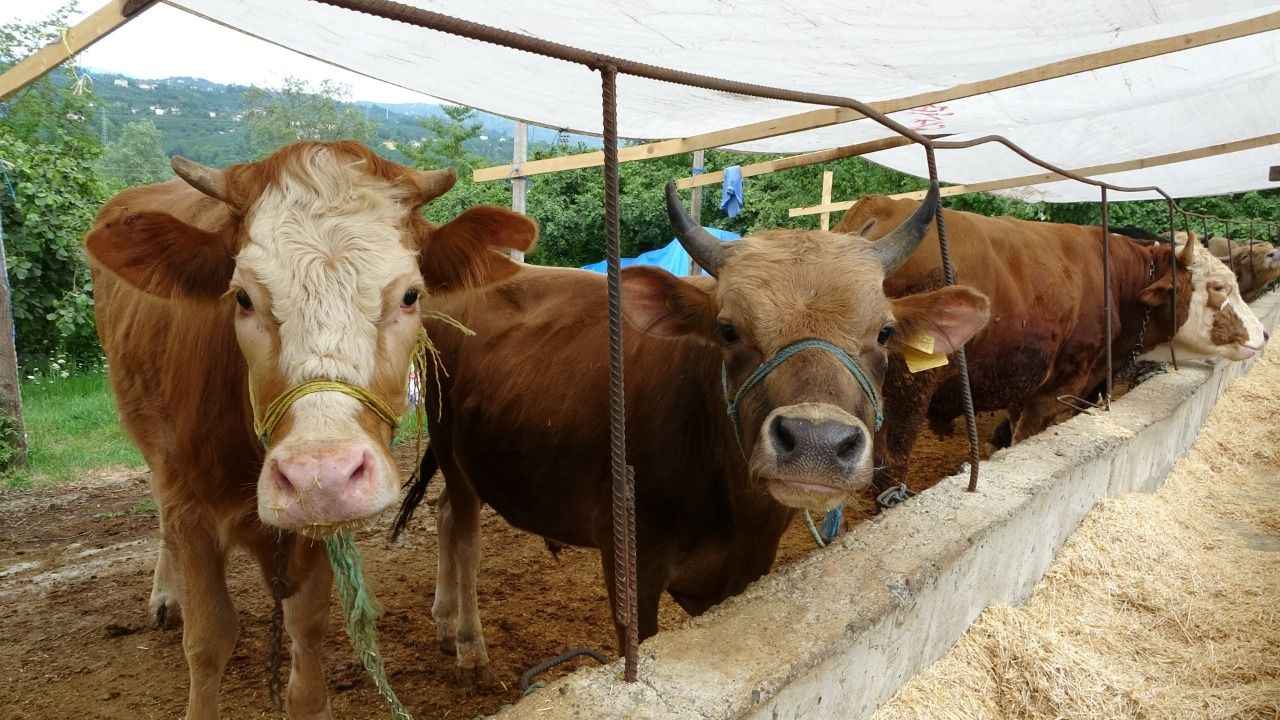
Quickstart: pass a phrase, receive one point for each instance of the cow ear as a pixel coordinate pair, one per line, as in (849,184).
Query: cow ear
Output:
(161,255)
(1157,293)
(950,316)
(658,303)
(464,252)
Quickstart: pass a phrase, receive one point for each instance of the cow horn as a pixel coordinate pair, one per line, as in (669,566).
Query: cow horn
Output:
(894,249)
(1187,255)
(432,184)
(210,181)
(701,245)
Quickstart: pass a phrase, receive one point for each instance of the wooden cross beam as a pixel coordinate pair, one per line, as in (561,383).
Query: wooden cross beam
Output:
(1049,177)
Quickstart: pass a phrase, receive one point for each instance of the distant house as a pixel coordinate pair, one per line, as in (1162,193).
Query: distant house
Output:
(121,82)
(157,110)
(389,144)
(175,111)
(213,114)
(146,86)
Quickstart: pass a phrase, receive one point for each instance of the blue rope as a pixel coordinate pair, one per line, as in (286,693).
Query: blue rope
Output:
(762,371)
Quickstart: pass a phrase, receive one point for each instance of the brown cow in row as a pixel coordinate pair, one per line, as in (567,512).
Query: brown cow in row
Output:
(214,294)
(1256,264)
(524,426)
(1047,337)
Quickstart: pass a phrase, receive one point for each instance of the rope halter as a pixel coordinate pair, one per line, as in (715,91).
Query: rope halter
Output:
(762,371)
(266,427)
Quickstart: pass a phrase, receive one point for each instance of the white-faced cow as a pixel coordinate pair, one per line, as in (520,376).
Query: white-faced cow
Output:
(220,291)
(748,396)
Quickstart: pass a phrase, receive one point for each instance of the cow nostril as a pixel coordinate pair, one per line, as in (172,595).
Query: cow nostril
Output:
(359,472)
(1265,336)
(281,480)
(850,449)
(784,440)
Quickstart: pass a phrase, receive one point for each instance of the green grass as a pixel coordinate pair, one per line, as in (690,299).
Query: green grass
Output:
(72,430)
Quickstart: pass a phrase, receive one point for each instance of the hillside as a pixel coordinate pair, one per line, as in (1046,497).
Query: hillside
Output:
(203,120)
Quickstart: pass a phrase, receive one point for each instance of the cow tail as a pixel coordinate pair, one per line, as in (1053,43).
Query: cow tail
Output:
(417,491)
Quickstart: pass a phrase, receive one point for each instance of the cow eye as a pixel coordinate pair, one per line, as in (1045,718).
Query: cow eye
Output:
(242,299)
(410,298)
(886,332)
(727,332)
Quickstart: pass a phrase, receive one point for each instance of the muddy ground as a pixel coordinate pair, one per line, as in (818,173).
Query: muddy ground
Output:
(76,642)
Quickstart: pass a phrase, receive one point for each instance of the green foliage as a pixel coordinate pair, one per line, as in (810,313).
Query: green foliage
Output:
(135,157)
(301,112)
(49,194)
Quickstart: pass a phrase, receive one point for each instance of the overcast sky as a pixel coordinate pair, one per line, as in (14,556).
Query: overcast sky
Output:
(166,42)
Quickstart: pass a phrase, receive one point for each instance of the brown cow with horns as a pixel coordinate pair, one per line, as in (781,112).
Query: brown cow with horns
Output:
(1046,337)
(795,333)
(218,292)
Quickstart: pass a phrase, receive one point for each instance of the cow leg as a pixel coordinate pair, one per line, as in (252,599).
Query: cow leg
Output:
(444,609)
(210,625)
(165,604)
(1037,414)
(906,407)
(464,516)
(306,618)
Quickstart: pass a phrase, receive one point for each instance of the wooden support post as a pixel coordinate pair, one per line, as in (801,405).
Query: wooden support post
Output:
(10,388)
(695,202)
(520,185)
(824,219)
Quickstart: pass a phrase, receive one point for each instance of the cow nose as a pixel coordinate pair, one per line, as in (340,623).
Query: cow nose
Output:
(328,470)
(797,439)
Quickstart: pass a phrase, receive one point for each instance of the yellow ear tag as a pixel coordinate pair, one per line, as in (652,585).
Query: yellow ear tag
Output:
(918,352)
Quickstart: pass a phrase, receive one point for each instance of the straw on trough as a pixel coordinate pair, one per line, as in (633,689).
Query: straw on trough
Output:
(1159,606)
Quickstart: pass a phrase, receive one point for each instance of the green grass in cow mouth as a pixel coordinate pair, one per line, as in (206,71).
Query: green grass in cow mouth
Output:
(72,430)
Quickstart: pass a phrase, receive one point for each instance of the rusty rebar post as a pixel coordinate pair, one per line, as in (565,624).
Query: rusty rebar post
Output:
(1226,233)
(1173,284)
(962,361)
(624,548)
(1106,291)
(1205,226)
(1253,268)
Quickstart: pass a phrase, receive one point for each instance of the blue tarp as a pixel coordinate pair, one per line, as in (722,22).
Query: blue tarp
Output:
(671,258)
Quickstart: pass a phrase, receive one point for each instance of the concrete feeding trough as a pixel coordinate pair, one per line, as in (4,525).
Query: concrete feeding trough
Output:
(836,634)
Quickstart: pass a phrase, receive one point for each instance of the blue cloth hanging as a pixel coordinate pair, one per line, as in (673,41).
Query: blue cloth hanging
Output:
(731,199)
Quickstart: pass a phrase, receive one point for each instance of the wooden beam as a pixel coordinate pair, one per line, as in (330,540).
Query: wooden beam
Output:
(824,220)
(85,33)
(794,161)
(831,116)
(519,186)
(1049,177)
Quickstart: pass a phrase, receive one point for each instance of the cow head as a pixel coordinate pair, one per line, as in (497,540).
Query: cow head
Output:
(321,270)
(807,416)
(1212,319)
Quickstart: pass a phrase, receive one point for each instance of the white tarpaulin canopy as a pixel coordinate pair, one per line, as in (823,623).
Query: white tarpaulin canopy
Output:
(867,49)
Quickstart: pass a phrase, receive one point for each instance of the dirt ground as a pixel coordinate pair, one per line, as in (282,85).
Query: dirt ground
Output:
(75,575)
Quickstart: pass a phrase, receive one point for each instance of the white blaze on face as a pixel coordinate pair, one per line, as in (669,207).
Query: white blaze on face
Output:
(325,265)
(1210,330)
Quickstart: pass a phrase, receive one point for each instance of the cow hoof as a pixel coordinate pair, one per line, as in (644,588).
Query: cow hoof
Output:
(448,643)
(475,678)
(165,611)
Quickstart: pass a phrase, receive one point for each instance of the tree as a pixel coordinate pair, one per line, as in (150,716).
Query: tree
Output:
(302,112)
(136,157)
(444,143)
(49,194)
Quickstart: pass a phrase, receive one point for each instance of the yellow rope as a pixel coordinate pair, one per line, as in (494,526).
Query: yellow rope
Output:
(276,410)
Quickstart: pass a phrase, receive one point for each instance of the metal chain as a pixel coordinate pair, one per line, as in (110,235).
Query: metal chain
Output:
(275,636)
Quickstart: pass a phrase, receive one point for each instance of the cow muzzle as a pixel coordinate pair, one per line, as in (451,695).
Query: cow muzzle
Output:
(813,456)
(317,484)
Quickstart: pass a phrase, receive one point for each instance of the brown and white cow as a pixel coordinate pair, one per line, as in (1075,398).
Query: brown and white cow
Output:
(1046,337)
(214,294)
(1256,264)
(524,423)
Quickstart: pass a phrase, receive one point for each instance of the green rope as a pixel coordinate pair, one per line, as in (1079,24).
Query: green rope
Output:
(361,610)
